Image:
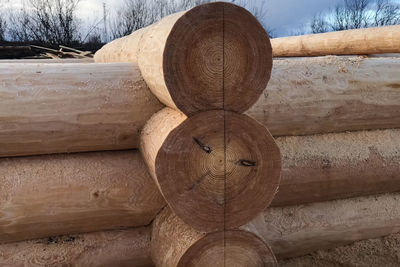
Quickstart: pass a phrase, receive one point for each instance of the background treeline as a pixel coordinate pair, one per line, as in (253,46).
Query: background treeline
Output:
(55,22)
(356,14)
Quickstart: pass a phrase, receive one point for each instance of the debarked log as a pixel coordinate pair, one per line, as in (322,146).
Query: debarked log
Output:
(330,94)
(376,40)
(341,165)
(72,107)
(43,196)
(216,170)
(298,230)
(129,248)
(214,56)
(175,244)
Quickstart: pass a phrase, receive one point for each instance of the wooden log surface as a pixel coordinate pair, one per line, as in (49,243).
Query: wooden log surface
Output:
(174,243)
(341,165)
(216,170)
(351,42)
(42,196)
(330,94)
(54,108)
(298,230)
(56,194)
(77,107)
(227,49)
(380,251)
(122,248)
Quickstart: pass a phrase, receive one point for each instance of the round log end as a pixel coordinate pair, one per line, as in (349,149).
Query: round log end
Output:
(217,56)
(175,243)
(218,170)
(234,248)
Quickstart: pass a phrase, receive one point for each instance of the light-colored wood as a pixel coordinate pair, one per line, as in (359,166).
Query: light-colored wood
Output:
(297,230)
(42,196)
(342,165)
(216,170)
(123,248)
(124,49)
(377,40)
(53,108)
(174,243)
(330,94)
(214,56)
(304,96)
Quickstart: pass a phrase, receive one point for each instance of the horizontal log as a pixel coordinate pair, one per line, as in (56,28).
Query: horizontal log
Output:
(113,248)
(55,108)
(341,165)
(42,196)
(381,251)
(330,94)
(351,42)
(77,189)
(174,243)
(216,170)
(227,49)
(78,107)
(298,230)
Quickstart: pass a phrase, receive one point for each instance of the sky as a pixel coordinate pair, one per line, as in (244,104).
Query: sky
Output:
(283,16)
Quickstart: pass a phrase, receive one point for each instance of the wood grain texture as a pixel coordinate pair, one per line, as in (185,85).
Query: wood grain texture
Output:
(351,42)
(122,248)
(42,196)
(55,108)
(297,230)
(216,170)
(330,94)
(174,243)
(341,165)
(214,56)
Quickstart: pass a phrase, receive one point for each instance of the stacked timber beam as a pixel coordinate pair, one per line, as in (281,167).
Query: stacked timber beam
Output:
(199,194)
(216,168)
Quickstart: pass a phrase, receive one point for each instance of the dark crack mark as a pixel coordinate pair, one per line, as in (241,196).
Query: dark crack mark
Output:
(205,148)
(246,163)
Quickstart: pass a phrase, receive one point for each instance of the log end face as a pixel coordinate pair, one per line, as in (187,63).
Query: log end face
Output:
(217,56)
(230,248)
(247,58)
(218,170)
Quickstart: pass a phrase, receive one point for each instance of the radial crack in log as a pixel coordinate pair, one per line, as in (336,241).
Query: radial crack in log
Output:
(175,243)
(216,189)
(214,56)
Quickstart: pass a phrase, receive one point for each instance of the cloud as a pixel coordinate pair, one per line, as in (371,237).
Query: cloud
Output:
(285,16)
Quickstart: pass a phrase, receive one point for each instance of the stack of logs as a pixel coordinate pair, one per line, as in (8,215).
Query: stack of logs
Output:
(190,92)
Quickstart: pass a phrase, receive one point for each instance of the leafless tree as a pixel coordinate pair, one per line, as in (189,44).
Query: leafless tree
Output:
(46,21)
(136,14)
(3,27)
(386,13)
(318,24)
(355,14)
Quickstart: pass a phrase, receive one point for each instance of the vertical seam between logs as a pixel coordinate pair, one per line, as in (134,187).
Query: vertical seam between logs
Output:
(223,107)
